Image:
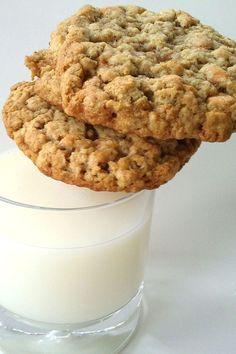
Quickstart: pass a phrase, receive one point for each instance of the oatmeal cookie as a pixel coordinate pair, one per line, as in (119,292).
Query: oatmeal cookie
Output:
(163,75)
(78,153)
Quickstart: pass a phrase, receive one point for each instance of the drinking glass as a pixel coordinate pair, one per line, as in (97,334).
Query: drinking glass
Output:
(71,279)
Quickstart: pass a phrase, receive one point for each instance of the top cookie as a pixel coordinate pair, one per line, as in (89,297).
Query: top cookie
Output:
(163,74)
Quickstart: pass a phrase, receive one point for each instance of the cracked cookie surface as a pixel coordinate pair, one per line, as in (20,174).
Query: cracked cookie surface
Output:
(163,74)
(99,158)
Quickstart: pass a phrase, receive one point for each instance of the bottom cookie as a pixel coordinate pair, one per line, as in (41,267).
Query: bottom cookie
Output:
(89,156)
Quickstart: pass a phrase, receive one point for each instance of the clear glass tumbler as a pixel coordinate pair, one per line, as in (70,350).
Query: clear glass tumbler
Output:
(71,279)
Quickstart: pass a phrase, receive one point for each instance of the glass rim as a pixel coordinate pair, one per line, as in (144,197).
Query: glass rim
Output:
(86,208)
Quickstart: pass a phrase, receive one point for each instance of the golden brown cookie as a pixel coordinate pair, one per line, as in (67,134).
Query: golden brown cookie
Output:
(66,149)
(163,74)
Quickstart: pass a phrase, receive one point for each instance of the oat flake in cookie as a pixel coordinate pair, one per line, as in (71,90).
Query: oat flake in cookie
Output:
(66,149)
(163,74)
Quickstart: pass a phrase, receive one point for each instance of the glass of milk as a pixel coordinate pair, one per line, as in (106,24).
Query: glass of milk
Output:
(71,263)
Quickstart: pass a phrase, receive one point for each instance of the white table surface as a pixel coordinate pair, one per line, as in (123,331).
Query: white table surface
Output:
(190,277)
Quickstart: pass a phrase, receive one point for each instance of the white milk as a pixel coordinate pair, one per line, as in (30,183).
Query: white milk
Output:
(67,265)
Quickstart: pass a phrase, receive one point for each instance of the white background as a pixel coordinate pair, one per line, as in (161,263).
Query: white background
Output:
(190,278)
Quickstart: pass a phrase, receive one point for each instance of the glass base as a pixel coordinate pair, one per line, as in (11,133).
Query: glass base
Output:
(108,335)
